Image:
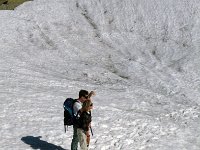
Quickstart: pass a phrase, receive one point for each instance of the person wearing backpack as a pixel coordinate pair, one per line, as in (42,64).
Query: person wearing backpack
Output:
(84,124)
(83,96)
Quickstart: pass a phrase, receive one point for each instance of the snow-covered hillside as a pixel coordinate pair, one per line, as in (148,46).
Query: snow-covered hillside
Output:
(140,56)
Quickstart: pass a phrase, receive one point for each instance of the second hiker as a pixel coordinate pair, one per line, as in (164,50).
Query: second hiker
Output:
(83,96)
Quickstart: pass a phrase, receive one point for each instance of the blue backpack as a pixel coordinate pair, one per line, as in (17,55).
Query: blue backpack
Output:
(69,117)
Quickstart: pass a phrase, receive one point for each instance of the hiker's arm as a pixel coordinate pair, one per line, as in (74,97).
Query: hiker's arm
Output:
(81,110)
(88,138)
(92,93)
(76,107)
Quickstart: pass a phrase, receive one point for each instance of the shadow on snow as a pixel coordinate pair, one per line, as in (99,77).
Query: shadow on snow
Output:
(36,143)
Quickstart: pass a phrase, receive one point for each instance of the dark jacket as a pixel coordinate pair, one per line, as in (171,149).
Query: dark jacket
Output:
(85,120)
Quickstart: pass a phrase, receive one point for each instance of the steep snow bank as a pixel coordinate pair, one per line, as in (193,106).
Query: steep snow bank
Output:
(141,56)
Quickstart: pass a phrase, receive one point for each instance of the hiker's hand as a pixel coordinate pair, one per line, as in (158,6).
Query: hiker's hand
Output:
(89,125)
(92,93)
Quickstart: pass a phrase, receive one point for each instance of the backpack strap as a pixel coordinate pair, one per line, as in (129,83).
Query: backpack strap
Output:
(78,113)
(74,101)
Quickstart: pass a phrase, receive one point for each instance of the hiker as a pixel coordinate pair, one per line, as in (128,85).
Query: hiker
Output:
(85,124)
(83,96)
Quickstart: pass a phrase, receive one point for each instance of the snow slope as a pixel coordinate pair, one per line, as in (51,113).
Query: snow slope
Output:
(140,56)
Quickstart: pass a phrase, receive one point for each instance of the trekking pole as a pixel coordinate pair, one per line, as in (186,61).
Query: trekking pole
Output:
(65,128)
(91,131)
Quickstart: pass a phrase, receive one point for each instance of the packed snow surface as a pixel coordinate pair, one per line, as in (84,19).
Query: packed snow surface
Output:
(142,57)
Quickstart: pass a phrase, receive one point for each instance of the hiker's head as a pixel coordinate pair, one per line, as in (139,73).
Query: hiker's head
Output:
(83,95)
(87,105)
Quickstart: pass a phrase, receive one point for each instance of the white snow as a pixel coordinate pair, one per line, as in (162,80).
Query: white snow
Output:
(140,56)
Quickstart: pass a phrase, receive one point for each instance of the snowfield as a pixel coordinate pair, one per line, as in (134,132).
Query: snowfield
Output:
(141,57)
